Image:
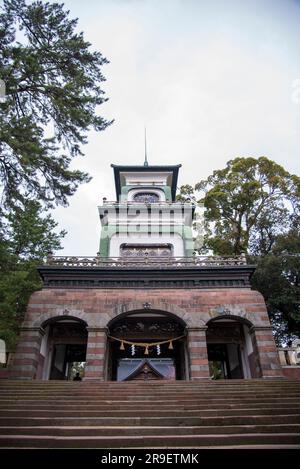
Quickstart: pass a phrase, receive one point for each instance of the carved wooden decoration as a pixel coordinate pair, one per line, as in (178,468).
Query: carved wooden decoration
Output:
(145,371)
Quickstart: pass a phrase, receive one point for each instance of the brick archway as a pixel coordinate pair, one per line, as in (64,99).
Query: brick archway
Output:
(163,307)
(126,314)
(230,348)
(77,315)
(243,318)
(146,325)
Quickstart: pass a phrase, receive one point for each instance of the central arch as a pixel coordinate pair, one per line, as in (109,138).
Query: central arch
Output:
(146,344)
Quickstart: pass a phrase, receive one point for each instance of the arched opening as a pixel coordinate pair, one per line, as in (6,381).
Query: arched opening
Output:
(146,345)
(63,349)
(229,348)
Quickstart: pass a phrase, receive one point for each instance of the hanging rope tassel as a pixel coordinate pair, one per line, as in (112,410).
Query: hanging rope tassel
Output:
(145,345)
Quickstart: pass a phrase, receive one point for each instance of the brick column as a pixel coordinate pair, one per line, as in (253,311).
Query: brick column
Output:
(26,358)
(267,358)
(197,350)
(95,353)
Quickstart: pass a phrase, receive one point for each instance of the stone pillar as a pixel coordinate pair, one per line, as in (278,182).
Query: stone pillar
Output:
(95,353)
(267,358)
(26,358)
(197,350)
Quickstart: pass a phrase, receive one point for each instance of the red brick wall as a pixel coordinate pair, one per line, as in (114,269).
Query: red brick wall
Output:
(291,372)
(195,307)
(92,302)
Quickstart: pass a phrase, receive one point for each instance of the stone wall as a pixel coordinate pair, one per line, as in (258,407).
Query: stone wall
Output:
(97,307)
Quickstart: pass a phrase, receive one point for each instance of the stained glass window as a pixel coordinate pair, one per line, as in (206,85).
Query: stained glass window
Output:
(146,197)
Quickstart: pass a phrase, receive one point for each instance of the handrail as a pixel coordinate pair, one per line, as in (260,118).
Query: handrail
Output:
(159,202)
(289,356)
(145,261)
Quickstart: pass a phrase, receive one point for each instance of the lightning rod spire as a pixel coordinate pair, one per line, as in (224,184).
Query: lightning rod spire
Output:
(146,160)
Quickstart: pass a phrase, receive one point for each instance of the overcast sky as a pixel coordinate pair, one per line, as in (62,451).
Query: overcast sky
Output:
(211,80)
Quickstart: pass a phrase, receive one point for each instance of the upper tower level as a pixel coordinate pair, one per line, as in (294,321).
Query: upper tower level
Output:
(158,183)
(146,219)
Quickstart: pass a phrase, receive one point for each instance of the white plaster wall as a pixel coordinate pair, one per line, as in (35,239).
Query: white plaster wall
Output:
(248,341)
(144,238)
(44,343)
(138,214)
(144,179)
(47,351)
(246,351)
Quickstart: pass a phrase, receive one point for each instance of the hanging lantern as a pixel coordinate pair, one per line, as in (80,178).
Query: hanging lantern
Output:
(158,349)
(146,350)
(132,349)
(171,345)
(122,346)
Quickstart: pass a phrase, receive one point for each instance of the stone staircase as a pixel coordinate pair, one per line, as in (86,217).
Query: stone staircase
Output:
(156,414)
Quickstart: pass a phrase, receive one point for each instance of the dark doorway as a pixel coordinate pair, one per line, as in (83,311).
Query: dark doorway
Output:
(65,349)
(225,361)
(229,349)
(67,359)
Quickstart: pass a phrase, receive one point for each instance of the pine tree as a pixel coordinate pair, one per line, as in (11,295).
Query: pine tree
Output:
(53,89)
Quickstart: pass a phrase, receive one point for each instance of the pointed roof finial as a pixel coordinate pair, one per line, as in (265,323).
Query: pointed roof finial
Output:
(146,161)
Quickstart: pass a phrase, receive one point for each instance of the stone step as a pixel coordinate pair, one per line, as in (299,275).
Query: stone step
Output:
(211,412)
(211,402)
(176,421)
(40,414)
(137,406)
(141,397)
(245,382)
(147,430)
(124,398)
(79,389)
(86,387)
(83,387)
(250,382)
(150,441)
(153,384)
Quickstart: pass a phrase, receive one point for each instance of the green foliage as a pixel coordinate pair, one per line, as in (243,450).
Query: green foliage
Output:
(31,235)
(27,236)
(277,277)
(16,286)
(53,90)
(244,203)
(186,194)
(252,206)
